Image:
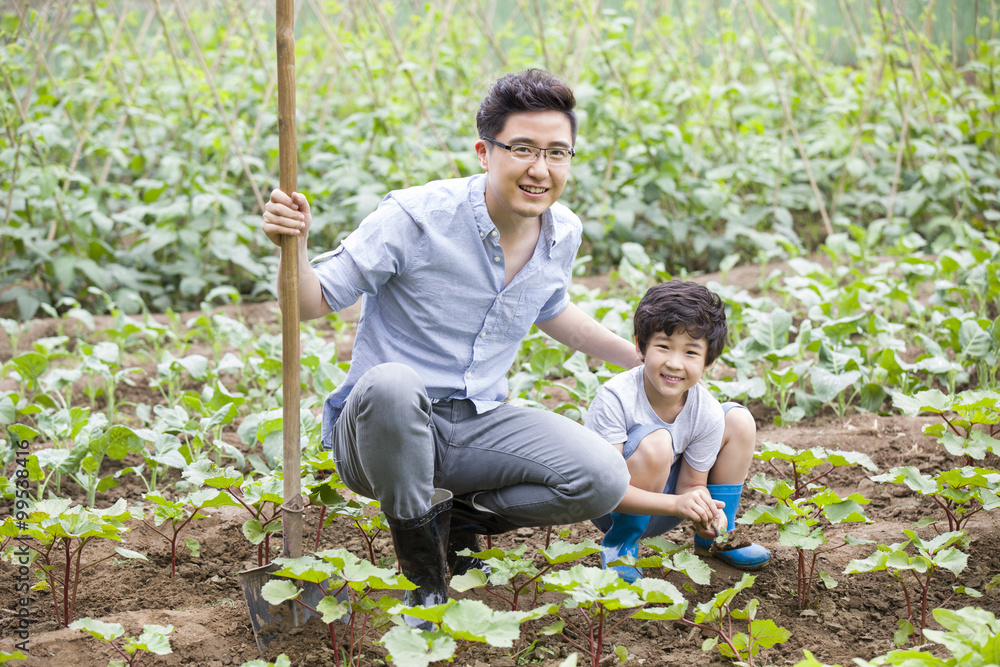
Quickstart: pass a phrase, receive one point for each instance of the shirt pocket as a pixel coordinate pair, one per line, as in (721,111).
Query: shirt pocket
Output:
(529,304)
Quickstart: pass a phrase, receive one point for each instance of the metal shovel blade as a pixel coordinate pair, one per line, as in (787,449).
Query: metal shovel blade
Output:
(269,620)
(266,625)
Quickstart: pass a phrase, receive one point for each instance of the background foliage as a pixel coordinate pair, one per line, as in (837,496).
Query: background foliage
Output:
(140,138)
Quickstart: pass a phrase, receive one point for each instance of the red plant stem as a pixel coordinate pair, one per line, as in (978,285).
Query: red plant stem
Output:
(947,511)
(512,603)
(952,426)
(923,605)
(906,594)
(128,659)
(319,530)
(76,578)
(69,561)
(718,631)
(600,637)
(820,476)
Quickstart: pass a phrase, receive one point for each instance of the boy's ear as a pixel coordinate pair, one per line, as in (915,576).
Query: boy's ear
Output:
(637,350)
(709,366)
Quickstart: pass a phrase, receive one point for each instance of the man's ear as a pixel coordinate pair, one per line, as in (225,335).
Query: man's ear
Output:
(482,155)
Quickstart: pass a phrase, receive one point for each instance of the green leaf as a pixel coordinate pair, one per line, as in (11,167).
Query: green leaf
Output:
(473,620)
(931,400)
(409,647)
(828,386)
(766,633)
(560,552)
(154,639)
(128,553)
(471,579)
(277,591)
(771,329)
(253,530)
(331,609)
(99,629)
(903,632)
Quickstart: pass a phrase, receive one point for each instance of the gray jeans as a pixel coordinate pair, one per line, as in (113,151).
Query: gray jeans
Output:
(532,467)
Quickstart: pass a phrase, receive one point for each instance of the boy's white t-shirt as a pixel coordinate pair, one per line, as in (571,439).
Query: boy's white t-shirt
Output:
(621,403)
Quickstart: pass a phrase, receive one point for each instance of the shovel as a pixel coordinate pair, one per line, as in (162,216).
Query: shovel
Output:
(268,621)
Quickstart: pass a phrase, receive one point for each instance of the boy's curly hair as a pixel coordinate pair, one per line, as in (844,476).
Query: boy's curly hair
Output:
(682,306)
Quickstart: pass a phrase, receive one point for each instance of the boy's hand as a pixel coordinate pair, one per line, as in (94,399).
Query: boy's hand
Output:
(710,531)
(698,506)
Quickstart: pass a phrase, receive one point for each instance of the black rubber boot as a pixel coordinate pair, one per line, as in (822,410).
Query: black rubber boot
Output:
(421,546)
(459,565)
(465,518)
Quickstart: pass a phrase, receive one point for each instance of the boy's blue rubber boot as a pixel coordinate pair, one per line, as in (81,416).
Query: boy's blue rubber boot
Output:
(752,557)
(622,539)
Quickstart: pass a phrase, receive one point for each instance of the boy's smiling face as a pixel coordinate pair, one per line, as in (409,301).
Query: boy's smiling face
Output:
(672,365)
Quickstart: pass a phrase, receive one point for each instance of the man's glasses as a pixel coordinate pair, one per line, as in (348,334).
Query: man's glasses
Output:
(525,153)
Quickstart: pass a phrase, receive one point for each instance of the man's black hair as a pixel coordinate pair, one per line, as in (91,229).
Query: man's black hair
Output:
(530,90)
(682,306)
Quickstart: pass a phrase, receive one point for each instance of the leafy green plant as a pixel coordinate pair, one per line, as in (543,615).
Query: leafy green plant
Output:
(60,532)
(716,616)
(969,635)
(466,621)
(971,420)
(805,509)
(325,577)
(513,574)
(943,552)
(152,640)
(178,514)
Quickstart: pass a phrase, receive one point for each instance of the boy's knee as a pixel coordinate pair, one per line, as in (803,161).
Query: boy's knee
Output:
(655,450)
(740,429)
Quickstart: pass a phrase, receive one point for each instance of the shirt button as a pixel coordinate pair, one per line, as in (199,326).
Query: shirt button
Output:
(469,374)
(496,259)
(482,335)
(494,233)
(482,235)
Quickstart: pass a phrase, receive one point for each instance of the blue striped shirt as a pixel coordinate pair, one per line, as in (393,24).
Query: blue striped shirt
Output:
(429,268)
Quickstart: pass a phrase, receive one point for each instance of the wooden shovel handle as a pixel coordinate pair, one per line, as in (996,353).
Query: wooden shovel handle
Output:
(291,519)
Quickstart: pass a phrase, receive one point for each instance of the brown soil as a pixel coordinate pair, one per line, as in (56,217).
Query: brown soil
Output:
(206,607)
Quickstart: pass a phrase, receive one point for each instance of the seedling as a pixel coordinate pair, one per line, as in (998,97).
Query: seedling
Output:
(969,635)
(152,640)
(95,442)
(332,573)
(943,552)
(179,516)
(594,597)
(804,506)
(716,616)
(466,621)
(513,574)
(59,530)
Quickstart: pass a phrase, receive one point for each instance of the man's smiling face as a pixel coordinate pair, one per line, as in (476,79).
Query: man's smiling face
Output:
(517,192)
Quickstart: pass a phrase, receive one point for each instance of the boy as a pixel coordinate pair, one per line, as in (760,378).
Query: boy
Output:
(687,454)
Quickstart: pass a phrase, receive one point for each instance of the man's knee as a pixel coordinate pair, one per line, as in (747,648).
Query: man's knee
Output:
(606,483)
(391,387)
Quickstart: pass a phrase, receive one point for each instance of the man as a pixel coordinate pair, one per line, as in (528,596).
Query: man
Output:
(453,274)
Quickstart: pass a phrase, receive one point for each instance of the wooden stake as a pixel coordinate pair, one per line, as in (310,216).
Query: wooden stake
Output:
(291,515)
